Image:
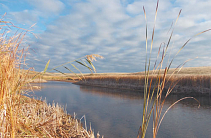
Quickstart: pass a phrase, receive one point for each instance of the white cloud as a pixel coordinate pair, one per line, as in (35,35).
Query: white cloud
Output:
(47,6)
(111,11)
(24,17)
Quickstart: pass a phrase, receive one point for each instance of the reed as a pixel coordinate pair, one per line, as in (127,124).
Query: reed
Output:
(11,80)
(21,116)
(153,94)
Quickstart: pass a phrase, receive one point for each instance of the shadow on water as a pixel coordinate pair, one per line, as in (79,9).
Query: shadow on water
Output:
(115,93)
(117,113)
(205,101)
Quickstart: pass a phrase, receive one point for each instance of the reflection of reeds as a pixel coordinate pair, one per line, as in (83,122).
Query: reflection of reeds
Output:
(138,95)
(114,93)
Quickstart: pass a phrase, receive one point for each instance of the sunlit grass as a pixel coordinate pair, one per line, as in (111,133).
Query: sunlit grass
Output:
(185,82)
(21,116)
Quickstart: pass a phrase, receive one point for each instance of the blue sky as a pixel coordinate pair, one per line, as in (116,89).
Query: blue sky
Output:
(115,29)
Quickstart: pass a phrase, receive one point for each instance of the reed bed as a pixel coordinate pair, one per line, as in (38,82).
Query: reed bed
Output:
(21,116)
(36,118)
(188,84)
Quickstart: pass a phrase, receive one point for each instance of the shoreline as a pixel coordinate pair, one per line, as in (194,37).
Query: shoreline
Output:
(190,80)
(53,115)
(187,84)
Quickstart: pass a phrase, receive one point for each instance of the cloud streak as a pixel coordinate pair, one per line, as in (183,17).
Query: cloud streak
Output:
(47,6)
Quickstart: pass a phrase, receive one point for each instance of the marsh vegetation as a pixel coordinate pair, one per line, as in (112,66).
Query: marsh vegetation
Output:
(21,116)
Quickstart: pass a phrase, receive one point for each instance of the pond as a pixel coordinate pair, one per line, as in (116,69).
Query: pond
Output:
(117,113)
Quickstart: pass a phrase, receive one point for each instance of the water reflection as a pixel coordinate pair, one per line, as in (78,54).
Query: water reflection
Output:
(117,93)
(205,101)
(117,113)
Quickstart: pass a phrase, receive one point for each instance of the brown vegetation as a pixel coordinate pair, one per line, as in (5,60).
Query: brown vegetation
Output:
(184,83)
(21,116)
(189,80)
(37,119)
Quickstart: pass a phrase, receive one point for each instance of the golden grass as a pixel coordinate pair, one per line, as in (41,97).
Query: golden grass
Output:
(187,84)
(36,118)
(21,116)
(182,72)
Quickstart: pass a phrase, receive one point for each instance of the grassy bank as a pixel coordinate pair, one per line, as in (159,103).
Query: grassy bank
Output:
(21,116)
(35,118)
(190,81)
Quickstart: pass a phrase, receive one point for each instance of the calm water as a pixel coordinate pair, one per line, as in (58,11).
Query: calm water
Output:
(117,113)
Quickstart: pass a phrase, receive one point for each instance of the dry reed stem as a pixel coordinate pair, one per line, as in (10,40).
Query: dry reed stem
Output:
(21,116)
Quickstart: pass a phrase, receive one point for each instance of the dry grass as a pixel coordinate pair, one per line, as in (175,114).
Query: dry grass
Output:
(37,119)
(183,71)
(190,74)
(186,83)
(21,116)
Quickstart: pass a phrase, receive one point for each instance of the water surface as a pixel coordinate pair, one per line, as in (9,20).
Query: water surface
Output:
(117,113)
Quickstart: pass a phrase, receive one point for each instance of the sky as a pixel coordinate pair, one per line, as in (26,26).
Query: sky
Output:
(115,29)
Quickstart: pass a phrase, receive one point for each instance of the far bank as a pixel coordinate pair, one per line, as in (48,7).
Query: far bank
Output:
(188,81)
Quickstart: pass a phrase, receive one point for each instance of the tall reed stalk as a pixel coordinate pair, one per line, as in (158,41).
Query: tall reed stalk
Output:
(85,61)
(154,94)
(11,79)
(21,116)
